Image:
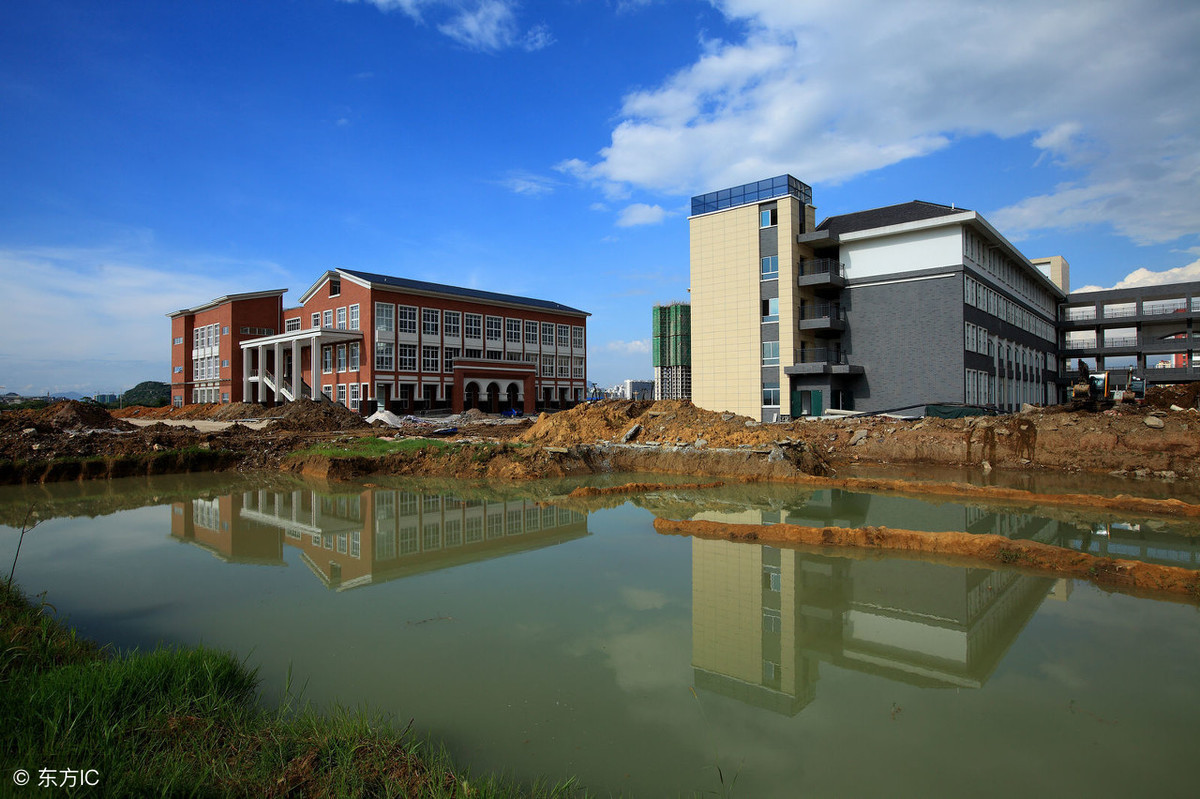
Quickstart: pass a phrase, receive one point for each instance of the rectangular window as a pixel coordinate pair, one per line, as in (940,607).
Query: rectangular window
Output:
(473,353)
(341,393)
(292,325)
(327,318)
(326,360)
(564,336)
(474,325)
(431,320)
(430,358)
(316,320)
(531,331)
(578,370)
(406,358)
(768,217)
(493,328)
(547,366)
(327,391)
(179,339)
(341,318)
(341,358)
(335,287)
(513,356)
(770,267)
(449,354)
(547,334)
(512,331)
(406,319)
(225,330)
(354,396)
(564,366)
(576,338)
(494,355)
(384,354)
(770,394)
(385,316)
(770,310)
(354,317)
(451,320)
(770,353)
(225,364)
(177,370)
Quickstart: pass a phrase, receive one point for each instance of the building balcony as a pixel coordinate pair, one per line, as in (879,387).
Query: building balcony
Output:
(822,360)
(821,274)
(825,319)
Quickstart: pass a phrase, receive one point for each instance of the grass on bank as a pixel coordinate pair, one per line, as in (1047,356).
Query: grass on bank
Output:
(372,447)
(187,722)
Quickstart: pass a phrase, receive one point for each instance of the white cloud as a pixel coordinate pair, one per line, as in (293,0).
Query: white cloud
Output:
(483,25)
(640,214)
(1147,277)
(95,319)
(640,346)
(831,91)
(529,183)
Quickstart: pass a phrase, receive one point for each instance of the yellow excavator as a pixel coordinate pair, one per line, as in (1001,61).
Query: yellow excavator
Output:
(1103,390)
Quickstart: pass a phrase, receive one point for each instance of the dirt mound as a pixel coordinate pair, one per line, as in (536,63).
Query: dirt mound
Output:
(1185,395)
(664,422)
(67,415)
(303,415)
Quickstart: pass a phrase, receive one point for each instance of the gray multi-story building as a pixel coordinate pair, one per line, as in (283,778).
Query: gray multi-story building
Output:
(891,308)
(1152,330)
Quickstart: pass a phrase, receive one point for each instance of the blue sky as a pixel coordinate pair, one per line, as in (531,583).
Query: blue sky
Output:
(154,155)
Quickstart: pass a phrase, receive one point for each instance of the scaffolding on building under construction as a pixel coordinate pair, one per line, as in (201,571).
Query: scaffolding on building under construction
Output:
(672,339)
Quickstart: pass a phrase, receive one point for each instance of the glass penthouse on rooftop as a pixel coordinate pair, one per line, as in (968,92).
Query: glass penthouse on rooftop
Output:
(759,190)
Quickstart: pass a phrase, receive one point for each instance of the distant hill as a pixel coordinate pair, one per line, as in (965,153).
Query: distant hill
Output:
(151,393)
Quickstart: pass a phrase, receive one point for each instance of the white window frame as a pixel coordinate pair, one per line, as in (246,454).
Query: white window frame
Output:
(431,321)
(354,356)
(385,356)
(473,326)
(354,317)
(493,328)
(406,358)
(512,331)
(406,319)
(531,333)
(385,316)
(452,324)
(431,358)
(327,359)
(341,318)
(327,318)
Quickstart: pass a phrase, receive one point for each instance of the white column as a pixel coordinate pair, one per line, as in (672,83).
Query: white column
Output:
(278,371)
(297,371)
(262,370)
(245,375)
(315,355)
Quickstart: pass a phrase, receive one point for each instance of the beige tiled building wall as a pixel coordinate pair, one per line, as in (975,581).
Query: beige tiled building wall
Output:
(726,314)
(727,609)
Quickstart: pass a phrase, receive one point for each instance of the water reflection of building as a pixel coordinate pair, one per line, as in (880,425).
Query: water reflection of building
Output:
(763,618)
(358,538)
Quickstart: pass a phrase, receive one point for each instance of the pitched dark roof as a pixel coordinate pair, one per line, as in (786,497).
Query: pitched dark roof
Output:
(458,291)
(914,211)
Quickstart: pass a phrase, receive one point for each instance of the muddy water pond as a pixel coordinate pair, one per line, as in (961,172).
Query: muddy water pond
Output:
(542,637)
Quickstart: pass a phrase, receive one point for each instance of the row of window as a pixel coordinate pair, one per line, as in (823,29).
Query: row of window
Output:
(403,319)
(347,356)
(207,368)
(980,296)
(403,358)
(1007,271)
(207,336)
(350,399)
(345,318)
(441,533)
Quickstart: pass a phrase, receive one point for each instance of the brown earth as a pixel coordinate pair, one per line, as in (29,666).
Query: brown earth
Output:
(1124,575)
(673,437)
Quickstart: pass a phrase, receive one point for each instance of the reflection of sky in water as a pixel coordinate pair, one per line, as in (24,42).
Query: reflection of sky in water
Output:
(575,647)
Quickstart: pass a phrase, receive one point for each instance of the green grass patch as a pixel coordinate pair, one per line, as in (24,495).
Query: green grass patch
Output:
(372,447)
(188,722)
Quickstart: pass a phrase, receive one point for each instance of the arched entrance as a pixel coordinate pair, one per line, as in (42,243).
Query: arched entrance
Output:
(513,396)
(493,398)
(471,396)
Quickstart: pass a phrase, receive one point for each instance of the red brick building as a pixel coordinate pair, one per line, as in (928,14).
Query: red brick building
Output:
(365,339)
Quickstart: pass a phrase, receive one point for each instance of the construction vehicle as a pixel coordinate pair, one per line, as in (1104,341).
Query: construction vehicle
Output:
(1103,390)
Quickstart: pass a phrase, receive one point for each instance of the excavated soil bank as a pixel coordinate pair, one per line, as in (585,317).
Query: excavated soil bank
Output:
(1127,576)
(635,488)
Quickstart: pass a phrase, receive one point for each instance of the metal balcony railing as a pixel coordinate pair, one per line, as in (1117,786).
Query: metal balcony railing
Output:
(822,355)
(820,266)
(822,310)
